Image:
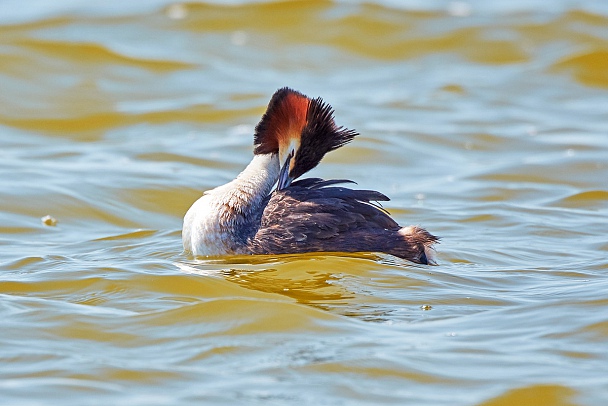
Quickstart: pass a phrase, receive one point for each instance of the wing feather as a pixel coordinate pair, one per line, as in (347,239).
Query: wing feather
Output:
(313,213)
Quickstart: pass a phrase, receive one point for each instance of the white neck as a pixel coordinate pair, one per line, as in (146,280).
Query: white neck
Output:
(261,173)
(218,222)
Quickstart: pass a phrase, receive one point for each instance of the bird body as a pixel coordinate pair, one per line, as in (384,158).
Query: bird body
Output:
(245,216)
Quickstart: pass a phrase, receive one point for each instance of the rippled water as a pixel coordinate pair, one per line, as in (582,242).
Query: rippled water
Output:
(485,122)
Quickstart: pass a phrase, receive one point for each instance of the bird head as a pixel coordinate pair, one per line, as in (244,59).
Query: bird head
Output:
(301,130)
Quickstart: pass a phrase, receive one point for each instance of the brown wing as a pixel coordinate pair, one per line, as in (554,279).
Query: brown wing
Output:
(313,215)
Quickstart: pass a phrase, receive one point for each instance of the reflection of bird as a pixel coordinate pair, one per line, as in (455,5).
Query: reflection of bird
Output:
(244,216)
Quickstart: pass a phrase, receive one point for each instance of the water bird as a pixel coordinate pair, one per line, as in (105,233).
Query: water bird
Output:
(245,216)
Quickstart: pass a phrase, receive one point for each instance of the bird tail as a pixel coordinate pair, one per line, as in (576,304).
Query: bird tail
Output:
(423,241)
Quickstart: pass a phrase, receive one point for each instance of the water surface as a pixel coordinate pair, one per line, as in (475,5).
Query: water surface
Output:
(486,124)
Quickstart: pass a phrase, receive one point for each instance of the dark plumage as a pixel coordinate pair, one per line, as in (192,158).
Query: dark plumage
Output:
(312,215)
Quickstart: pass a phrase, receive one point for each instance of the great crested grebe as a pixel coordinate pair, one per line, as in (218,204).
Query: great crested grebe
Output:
(245,216)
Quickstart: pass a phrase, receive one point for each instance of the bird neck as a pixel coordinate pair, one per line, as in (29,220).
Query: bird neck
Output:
(243,198)
(256,180)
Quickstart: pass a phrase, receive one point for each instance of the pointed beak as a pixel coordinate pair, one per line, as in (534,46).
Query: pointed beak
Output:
(284,178)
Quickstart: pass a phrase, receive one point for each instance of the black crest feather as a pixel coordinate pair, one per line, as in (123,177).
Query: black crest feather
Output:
(319,136)
(288,110)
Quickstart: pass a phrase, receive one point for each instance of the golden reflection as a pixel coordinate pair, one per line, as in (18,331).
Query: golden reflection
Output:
(339,283)
(307,287)
(88,52)
(534,395)
(90,126)
(323,281)
(590,69)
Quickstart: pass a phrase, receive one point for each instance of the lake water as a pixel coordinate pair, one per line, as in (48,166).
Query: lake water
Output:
(485,122)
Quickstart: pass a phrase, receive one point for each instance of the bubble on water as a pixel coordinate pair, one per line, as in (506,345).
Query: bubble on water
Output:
(459,9)
(177,11)
(531,131)
(49,220)
(239,38)
(569,152)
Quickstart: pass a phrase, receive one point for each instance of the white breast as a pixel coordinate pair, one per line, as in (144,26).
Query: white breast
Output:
(203,232)
(214,222)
